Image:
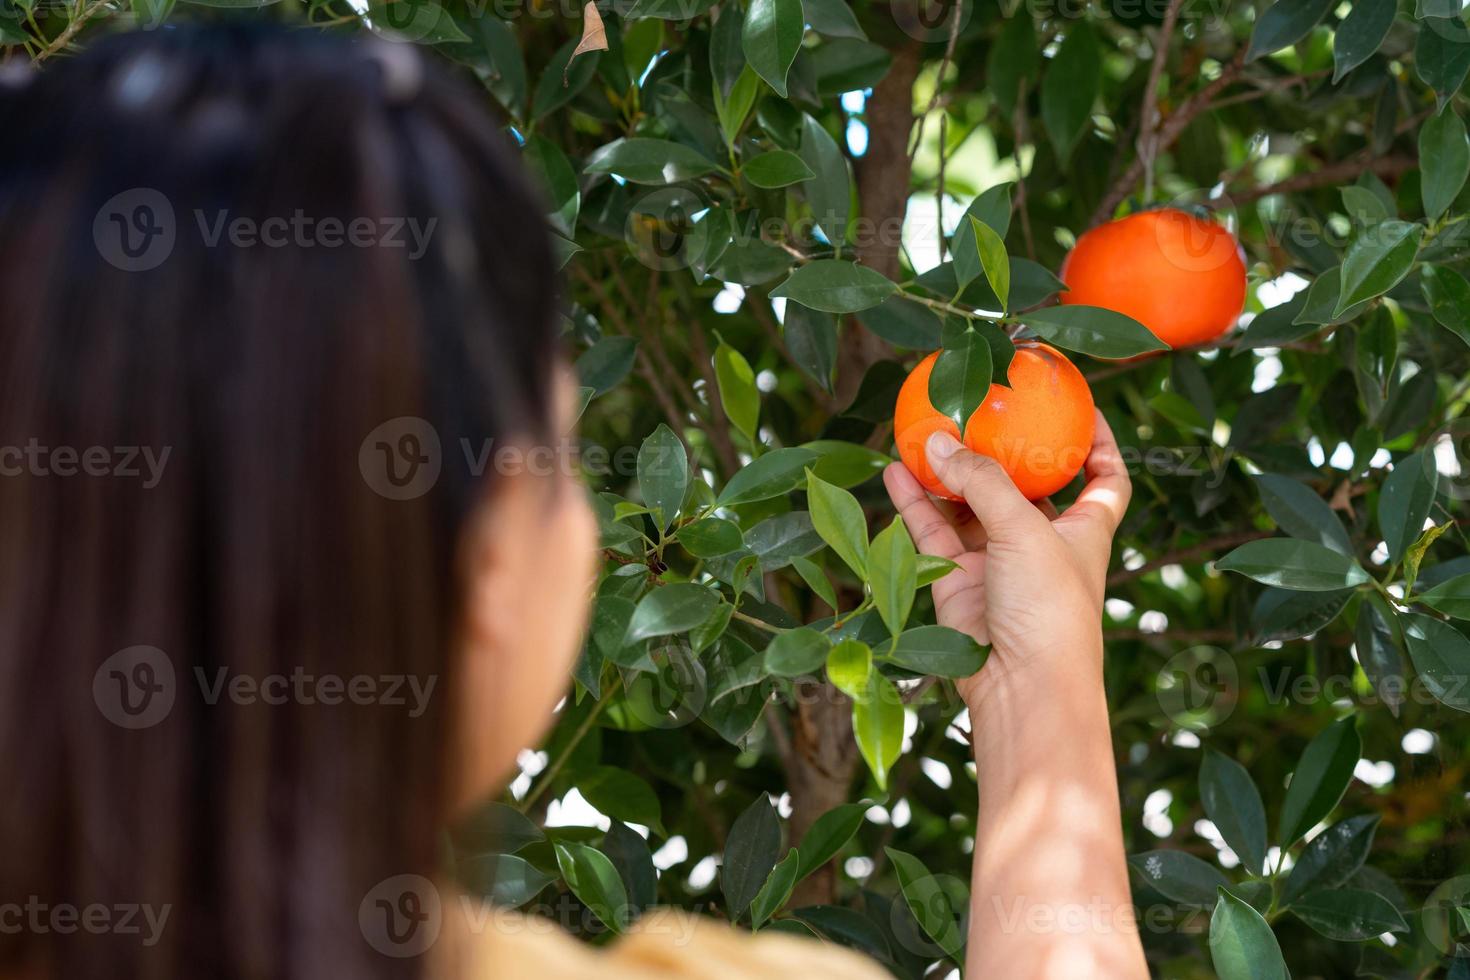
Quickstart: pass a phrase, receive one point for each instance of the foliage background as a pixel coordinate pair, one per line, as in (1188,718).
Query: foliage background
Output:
(1328,134)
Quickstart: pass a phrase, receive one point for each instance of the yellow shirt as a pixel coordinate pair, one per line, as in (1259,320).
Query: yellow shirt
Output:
(663,945)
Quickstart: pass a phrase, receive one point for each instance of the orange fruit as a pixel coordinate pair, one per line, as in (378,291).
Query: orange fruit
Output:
(1039,429)
(1182,277)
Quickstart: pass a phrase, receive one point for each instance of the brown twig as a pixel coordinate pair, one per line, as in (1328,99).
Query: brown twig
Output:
(1022,131)
(1148,128)
(719,432)
(1168,133)
(70,31)
(1203,550)
(944,63)
(1327,176)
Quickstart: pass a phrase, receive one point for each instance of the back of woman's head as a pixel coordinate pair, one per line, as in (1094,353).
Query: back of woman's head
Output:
(247,279)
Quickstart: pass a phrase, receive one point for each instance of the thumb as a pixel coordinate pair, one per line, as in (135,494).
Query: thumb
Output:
(984,484)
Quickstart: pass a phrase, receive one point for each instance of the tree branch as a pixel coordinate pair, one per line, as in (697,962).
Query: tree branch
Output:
(1168,133)
(1205,549)
(1333,174)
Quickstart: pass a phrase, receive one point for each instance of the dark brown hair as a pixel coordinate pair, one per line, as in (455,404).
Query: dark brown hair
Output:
(265,545)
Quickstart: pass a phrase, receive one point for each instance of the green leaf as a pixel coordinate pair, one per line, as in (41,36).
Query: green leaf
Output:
(1069,87)
(1283,24)
(846,464)
(1277,326)
(495,828)
(649,161)
(828,834)
(1441,655)
(846,927)
(933,907)
(504,879)
(663,474)
(592,878)
(1014,57)
(960,378)
(733,107)
(1442,56)
(1448,295)
(816,580)
(844,64)
(739,396)
(993,260)
(1298,511)
(777,890)
(1360,34)
(830,194)
(1093,330)
(877,724)
(1404,502)
(1289,563)
(711,537)
(797,653)
(848,664)
(832,18)
(777,168)
(1363,206)
(811,337)
(838,519)
(903,323)
(836,286)
(629,853)
(1451,597)
(893,574)
(1180,877)
(1349,914)
(932,568)
(750,854)
(1233,803)
(507,81)
(938,650)
(1242,946)
(773,474)
(1377,261)
(606,363)
(771,36)
(1414,557)
(621,794)
(546,160)
(676,608)
(1332,857)
(1320,779)
(1444,161)
(1380,651)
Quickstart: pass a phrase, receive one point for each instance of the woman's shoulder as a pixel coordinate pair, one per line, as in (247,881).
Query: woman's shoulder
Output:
(664,943)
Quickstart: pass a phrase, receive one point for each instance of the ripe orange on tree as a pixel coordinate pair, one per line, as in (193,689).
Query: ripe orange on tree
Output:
(1039,428)
(1181,276)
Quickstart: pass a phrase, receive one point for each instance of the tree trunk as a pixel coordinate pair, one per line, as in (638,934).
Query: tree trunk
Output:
(820,770)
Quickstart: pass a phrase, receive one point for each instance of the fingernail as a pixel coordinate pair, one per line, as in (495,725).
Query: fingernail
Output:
(941,445)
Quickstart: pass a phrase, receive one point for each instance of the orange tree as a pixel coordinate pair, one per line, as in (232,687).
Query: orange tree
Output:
(769,210)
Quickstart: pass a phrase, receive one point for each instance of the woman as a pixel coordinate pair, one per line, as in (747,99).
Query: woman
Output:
(248,683)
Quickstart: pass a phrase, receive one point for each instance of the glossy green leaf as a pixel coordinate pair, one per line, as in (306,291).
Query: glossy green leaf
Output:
(877,724)
(836,286)
(797,653)
(1289,563)
(848,664)
(739,396)
(592,878)
(1441,656)
(1093,330)
(711,537)
(1319,780)
(1298,511)
(751,850)
(1442,56)
(938,650)
(621,794)
(838,519)
(1242,946)
(771,475)
(893,574)
(830,193)
(960,378)
(1444,160)
(663,474)
(1349,914)
(1069,87)
(811,337)
(649,161)
(1451,597)
(1331,858)
(1360,34)
(1233,803)
(777,168)
(1377,261)
(1179,876)
(675,608)
(777,889)
(1448,295)
(828,834)
(771,36)
(930,902)
(1283,24)
(1404,502)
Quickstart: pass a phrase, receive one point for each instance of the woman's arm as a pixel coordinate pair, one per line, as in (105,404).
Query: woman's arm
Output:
(1050,895)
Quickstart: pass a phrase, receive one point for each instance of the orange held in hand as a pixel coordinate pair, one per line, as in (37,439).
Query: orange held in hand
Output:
(1181,276)
(1039,428)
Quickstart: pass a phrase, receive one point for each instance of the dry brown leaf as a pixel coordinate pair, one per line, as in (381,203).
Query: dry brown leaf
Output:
(594,37)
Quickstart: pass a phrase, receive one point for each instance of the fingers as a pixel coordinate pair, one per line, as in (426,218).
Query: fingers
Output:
(1047,508)
(1105,497)
(933,534)
(985,486)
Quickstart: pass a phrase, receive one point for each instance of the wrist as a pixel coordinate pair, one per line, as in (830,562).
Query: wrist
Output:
(1054,704)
